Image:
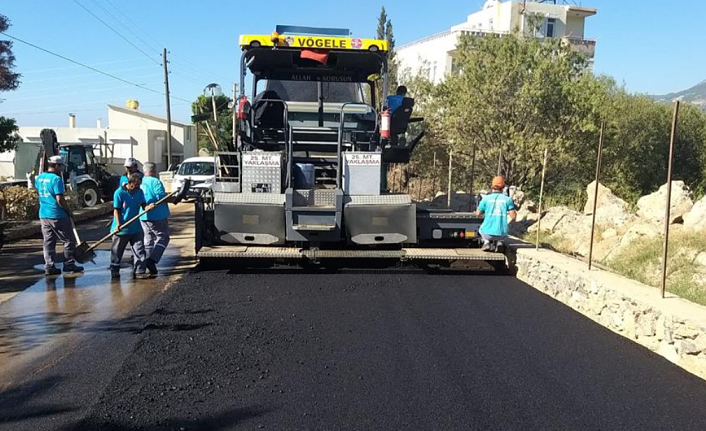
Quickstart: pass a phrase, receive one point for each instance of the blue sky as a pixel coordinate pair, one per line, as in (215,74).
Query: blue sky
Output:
(650,46)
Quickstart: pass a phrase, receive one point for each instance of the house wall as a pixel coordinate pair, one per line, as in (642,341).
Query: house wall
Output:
(494,17)
(575,26)
(429,56)
(433,55)
(181,146)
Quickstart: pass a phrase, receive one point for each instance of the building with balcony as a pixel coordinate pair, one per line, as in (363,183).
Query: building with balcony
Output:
(434,55)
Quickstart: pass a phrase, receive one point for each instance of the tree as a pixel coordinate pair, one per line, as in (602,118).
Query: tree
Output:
(8,134)
(391,60)
(9,80)
(515,96)
(382,24)
(221,132)
(384,32)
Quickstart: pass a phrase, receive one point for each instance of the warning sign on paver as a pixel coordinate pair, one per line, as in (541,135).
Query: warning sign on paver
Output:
(262,160)
(358,159)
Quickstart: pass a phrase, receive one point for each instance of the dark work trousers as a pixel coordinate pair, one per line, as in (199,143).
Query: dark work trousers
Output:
(156,238)
(138,249)
(54,229)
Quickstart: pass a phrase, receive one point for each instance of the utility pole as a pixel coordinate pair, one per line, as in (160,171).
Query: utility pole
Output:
(169,109)
(215,114)
(235,106)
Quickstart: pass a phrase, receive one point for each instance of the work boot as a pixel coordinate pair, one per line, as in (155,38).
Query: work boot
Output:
(138,275)
(499,247)
(72,267)
(52,270)
(114,273)
(486,246)
(151,267)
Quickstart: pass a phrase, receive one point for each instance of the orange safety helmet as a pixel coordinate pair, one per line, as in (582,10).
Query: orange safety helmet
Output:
(498,183)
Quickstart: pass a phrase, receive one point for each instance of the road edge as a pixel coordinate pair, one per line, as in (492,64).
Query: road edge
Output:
(671,327)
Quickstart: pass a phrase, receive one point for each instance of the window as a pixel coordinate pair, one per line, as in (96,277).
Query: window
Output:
(551,23)
(196,168)
(490,23)
(90,158)
(187,133)
(307,91)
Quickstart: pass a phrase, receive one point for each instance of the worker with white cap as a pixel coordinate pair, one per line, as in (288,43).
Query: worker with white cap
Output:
(132,166)
(54,217)
(155,223)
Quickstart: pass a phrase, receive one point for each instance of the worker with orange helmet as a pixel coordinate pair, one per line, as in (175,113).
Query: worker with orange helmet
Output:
(496,207)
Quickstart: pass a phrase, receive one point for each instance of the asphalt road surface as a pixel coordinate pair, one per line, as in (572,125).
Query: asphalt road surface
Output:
(363,350)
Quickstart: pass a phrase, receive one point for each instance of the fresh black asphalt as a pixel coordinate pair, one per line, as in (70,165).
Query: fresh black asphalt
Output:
(361,350)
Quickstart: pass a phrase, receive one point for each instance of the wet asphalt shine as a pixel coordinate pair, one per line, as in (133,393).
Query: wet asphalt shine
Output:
(351,350)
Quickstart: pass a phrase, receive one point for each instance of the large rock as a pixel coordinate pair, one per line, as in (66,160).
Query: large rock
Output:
(611,210)
(460,201)
(558,219)
(651,207)
(696,217)
(635,233)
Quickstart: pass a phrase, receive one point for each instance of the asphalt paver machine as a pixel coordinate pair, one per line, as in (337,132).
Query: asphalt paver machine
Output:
(307,180)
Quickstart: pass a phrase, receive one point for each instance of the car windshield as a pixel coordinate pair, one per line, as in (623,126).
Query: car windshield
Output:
(307,91)
(196,168)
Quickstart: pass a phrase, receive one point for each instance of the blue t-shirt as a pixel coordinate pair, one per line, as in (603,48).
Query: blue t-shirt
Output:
(394,102)
(495,206)
(48,186)
(129,205)
(124,179)
(154,191)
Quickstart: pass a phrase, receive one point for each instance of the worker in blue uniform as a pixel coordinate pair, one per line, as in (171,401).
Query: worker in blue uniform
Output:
(155,224)
(132,166)
(127,202)
(55,218)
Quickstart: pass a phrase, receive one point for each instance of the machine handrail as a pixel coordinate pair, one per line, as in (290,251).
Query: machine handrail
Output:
(288,140)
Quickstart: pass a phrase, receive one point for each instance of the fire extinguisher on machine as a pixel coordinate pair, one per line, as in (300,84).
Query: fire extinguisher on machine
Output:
(385,124)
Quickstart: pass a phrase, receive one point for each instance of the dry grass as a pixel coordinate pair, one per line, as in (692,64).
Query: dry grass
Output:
(554,241)
(643,262)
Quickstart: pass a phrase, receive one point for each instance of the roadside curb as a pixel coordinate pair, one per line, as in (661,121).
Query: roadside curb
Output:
(33,227)
(673,327)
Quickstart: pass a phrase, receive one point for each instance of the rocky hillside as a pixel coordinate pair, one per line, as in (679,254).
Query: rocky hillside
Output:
(695,95)
(631,242)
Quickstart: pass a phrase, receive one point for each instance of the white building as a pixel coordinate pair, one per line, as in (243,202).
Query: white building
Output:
(130,133)
(434,55)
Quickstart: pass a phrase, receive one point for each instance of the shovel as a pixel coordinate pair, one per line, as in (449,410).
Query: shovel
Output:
(86,254)
(82,249)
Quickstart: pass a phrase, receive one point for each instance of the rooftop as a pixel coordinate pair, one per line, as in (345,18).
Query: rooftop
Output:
(144,115)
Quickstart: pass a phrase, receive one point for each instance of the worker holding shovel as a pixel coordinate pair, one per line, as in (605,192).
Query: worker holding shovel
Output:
(55,218)
(127,202)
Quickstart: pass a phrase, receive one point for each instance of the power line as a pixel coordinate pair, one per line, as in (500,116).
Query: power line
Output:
(56,78)
(117,32)
(127,27)
(56,87)
(133,23)
(89,67)
(24,72)
(183,63)
(197,68)
(95,90)
(85,110)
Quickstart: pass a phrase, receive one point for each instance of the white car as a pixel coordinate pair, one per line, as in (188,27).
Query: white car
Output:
(200,170)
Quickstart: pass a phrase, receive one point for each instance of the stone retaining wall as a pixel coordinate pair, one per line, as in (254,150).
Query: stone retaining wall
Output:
(672,327)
